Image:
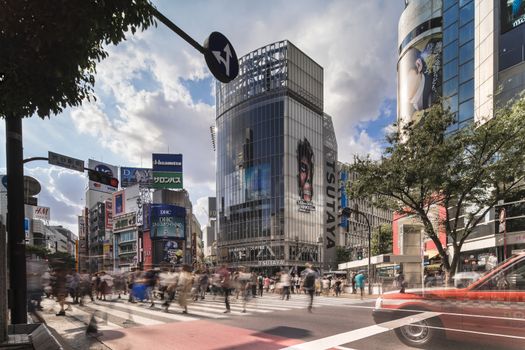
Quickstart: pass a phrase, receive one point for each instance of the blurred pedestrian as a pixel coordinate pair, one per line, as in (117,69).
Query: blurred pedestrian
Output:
(285,283)
(310,276)
(184,285)
(260,284)
(226,286)
(360,283)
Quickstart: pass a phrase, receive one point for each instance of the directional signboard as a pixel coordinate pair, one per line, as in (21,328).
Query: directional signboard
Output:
(221,57)
(65,161)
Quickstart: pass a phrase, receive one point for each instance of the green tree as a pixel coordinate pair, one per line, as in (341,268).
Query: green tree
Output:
(342,255)
(465,173)
(49,50)
(382,239)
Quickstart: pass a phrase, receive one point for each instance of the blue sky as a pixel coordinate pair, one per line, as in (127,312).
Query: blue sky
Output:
(154,92)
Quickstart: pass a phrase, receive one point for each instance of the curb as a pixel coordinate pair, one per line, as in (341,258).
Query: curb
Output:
(61,341)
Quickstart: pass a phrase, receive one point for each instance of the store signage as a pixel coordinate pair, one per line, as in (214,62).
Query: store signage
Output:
(109,214)
(167,162)
(167,180)
(271,263)
(124,222)
(41,213)
(331,205)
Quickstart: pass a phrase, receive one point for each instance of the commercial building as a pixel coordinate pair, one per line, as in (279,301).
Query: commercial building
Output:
(472,53)
(276,161)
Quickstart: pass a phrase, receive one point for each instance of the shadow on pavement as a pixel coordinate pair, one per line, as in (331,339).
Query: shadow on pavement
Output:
(287,332)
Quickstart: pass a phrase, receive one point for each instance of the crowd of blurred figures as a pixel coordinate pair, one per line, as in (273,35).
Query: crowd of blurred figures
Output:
(182,285)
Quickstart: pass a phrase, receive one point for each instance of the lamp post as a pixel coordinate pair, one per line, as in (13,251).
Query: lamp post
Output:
(347,212)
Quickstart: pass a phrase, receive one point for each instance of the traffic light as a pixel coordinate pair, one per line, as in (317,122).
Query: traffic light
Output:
(102,178)
(359,254)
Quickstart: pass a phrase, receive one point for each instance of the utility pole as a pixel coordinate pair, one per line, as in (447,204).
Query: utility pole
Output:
(15,221)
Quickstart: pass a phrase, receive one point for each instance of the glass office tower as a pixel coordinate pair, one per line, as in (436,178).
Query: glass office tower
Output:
(270,161)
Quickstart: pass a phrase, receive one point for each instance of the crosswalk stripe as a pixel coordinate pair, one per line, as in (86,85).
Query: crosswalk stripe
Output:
(125,315)
(170,315)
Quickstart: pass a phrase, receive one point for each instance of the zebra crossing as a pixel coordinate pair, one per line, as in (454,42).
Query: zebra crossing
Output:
(119,313)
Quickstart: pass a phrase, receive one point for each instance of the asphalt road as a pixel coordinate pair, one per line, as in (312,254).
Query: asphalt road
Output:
(327,321)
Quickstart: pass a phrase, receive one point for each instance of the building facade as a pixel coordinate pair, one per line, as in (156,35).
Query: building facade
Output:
(271,195)
(472,53)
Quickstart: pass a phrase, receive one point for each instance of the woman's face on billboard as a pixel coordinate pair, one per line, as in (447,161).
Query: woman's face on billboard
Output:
(305,180)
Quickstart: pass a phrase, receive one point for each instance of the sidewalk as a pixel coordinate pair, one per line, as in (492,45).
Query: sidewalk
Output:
(70,329)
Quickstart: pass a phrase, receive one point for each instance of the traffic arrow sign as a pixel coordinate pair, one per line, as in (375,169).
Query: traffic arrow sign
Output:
(221,57)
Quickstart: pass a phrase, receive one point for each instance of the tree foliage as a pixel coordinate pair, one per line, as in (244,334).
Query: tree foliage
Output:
(49,49)
(342,256)
(464,173)
(382,240)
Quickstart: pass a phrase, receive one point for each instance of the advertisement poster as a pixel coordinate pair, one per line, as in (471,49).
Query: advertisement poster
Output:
(167,180)
(419,79)
(512,14)
(305,176)
(133,176)
(167,221)
(118,203)
(167,162)
(105,168)
(257,180)
(109,215)
(168,251)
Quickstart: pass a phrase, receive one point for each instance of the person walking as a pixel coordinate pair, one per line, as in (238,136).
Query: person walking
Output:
(285,282)
(310,276)
(360,283)
(184,285)
(260,284)
(338,283)
(354,291)
(226,286)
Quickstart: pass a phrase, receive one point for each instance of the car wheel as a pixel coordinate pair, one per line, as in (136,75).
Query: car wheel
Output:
(420,334)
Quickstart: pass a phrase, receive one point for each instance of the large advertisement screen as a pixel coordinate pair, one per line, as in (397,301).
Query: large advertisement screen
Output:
(257,181)
(512,14)
(132,176)
(168,221)
(419,78)
(168,251)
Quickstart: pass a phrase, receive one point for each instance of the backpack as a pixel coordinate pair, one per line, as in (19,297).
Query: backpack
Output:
(309,280)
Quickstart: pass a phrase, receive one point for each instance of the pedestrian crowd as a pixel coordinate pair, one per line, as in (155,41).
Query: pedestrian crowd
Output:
(181,285)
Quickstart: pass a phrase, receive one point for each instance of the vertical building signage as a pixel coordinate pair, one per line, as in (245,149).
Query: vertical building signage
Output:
(167,171)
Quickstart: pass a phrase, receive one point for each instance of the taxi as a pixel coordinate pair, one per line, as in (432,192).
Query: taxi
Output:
(489,311)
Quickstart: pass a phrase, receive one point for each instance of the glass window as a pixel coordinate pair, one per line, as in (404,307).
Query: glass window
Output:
(466,71)
(450,34)
(450,87)
(450,51)
(450,15)
(466,90)
(466,13)
(450,70)
(466,33)
(448,3)
(466,110)
(452,102)
(466,52)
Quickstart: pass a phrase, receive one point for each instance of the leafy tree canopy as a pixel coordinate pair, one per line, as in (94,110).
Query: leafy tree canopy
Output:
(382,240)
(49,49)
(464,173)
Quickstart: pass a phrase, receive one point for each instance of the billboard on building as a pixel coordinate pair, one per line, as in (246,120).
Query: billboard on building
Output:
(119,203)
(108,214)
(167,162)
(41,213)
(305,175)
(124,222)
(512,14)
(169,251)
(105,168)
(166,180)
(167,221)
(257,181)
(419,78)
(133,176)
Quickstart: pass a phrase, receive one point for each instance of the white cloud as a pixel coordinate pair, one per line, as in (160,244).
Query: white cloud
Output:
(143,107)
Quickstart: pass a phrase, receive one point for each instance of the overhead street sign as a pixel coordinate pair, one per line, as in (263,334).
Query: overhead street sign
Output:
(221,57)
(65,161)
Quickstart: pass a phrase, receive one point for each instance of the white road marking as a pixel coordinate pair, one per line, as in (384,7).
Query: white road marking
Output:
(358,334)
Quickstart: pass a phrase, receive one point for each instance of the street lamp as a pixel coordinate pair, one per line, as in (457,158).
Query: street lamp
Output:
(347,212)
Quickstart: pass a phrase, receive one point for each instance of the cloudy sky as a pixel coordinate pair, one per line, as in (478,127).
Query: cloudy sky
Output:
(155,94)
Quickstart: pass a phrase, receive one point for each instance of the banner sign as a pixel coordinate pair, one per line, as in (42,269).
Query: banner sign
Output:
(109,215)
(124,222)
(41,213)
(167,162)
(132,176)
(119,203)
(512,14)
(168,221)
(105,168)
(167,180)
